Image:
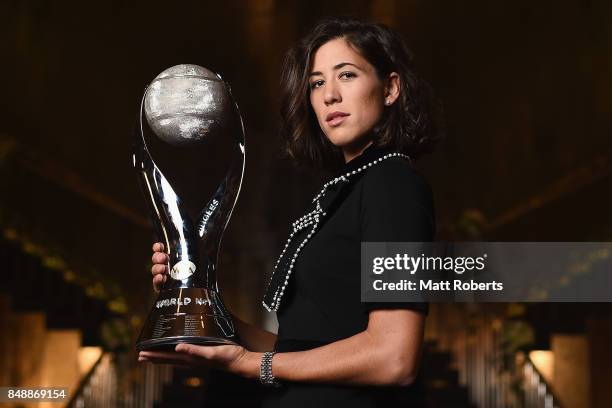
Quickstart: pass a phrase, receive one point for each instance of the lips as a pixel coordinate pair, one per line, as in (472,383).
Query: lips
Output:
(336,118)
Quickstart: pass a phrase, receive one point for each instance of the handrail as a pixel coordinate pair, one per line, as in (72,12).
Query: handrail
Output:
(84,381)
(494,378)
(116,381)
(536,389)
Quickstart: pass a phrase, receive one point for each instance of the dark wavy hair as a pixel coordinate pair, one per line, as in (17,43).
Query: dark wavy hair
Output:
(411,125)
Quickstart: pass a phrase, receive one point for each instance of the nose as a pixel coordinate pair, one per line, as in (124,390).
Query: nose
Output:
(332,93)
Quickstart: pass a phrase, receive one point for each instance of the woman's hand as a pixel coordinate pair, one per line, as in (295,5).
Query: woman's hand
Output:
(160,266)
(235,359)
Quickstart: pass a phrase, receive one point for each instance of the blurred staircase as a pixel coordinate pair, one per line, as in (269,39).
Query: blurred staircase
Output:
(46,324)
(32,287)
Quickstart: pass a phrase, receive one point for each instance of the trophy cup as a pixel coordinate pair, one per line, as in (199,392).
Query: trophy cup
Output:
(189,155)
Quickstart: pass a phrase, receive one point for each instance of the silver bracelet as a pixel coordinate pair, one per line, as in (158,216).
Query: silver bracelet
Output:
(265,370)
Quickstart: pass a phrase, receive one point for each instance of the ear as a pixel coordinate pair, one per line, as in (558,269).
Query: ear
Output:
(392,88)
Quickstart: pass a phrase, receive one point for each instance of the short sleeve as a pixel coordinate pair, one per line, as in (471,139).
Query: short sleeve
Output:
(396,206)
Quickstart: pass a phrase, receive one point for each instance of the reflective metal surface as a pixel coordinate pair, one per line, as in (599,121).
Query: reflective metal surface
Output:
(190,162)
(186,103)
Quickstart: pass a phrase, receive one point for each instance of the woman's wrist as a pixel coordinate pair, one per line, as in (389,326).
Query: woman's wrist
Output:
(249,365)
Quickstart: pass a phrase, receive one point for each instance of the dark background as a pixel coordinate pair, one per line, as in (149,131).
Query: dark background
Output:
(526,88)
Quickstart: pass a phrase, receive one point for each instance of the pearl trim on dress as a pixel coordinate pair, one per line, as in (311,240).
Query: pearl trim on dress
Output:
(313,218)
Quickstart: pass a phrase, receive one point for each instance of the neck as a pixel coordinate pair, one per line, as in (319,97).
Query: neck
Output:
(351,152)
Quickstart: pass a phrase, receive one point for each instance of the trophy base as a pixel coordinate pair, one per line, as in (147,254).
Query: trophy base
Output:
(187,315)
(169,343)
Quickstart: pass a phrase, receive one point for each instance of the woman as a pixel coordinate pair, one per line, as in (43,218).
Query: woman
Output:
(349,93)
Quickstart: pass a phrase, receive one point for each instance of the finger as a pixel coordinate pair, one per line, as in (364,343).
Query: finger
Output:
(158,279)
(158,282)
(166,357)
(158,269)
(158,247)
(159,258)
(158,354)
(206,352)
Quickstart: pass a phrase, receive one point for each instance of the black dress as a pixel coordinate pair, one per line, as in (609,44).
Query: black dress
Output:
(385,202)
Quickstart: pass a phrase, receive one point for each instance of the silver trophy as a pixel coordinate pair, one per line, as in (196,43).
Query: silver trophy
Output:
(189,154)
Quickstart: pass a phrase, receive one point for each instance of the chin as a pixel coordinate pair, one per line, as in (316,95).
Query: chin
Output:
(339,138)
(345,141)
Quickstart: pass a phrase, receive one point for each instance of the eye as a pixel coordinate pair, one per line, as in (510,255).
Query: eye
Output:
(347,75)
(316,84)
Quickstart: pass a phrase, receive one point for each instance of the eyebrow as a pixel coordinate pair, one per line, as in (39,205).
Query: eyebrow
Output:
(337,66)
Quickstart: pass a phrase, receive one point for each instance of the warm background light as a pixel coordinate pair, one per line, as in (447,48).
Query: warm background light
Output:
(544,361)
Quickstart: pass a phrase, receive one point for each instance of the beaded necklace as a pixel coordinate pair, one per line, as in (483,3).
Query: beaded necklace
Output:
(300,236)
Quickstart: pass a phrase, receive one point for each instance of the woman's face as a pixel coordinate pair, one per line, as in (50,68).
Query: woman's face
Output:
(347,96)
